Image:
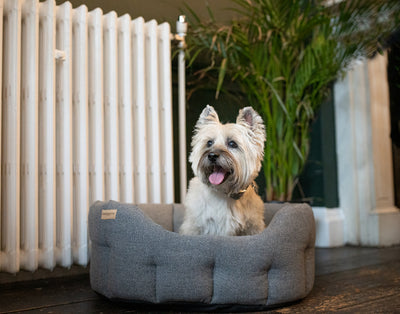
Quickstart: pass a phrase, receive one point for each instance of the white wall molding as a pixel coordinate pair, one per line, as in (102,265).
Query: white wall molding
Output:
(329,223)
(365,174)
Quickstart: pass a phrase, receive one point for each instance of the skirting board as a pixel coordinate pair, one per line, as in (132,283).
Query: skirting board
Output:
(329,227)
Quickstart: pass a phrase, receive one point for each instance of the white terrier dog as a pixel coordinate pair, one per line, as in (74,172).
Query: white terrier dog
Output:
(225,158)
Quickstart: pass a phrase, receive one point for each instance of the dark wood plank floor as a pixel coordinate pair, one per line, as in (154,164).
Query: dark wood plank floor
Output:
(348,279)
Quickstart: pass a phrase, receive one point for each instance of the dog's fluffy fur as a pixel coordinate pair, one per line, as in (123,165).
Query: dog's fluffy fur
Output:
(225,158)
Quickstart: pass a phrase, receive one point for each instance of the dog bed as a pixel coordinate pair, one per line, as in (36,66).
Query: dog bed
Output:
(138,256)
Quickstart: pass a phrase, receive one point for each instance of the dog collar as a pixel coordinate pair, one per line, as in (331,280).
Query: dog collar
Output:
(239,194)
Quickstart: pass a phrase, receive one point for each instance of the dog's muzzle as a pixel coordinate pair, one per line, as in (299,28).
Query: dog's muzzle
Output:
(217,174)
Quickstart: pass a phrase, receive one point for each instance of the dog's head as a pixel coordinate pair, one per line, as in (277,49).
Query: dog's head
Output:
(228,156)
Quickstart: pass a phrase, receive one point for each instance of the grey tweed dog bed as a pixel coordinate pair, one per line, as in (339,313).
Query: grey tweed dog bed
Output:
(138,256)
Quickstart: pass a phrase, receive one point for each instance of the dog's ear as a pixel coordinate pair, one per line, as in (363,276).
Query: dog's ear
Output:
(249,118)
(208,115)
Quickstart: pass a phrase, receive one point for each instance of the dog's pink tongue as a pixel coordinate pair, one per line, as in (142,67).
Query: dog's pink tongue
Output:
(217,177)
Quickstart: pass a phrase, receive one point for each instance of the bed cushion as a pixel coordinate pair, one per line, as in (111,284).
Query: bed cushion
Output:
(138,256)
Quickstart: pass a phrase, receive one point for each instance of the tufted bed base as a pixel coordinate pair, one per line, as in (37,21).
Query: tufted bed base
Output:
(137,256)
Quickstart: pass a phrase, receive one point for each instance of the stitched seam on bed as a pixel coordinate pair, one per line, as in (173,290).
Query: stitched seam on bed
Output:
(155,283)
(213,282)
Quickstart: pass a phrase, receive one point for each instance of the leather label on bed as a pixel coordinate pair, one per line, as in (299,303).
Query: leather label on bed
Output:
(108,214)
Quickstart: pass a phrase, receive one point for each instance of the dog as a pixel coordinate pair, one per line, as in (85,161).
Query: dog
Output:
(222,197)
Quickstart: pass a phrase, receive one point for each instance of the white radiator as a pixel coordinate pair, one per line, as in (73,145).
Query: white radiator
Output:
(86,115)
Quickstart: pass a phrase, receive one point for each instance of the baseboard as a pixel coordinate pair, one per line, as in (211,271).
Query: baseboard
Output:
(329,224)
(387,221)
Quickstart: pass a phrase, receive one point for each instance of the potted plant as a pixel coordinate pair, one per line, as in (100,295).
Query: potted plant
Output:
(285,55)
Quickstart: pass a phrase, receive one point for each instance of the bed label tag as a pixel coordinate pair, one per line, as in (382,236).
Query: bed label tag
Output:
(108,214)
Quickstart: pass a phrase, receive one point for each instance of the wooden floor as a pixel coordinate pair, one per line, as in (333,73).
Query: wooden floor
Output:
(348,279)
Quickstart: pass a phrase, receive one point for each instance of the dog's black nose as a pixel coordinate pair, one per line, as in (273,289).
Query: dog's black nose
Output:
(213,157)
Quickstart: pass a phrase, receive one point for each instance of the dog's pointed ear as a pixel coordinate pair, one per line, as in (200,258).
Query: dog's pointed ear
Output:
(249,118)
(208,115)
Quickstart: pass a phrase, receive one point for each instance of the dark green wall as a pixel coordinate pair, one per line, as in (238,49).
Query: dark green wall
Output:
(318,183)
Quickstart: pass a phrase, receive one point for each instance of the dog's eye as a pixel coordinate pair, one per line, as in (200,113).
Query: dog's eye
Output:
(232,144)
(209,143)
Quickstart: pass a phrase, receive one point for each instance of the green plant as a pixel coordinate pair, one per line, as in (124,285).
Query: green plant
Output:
(285,56)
